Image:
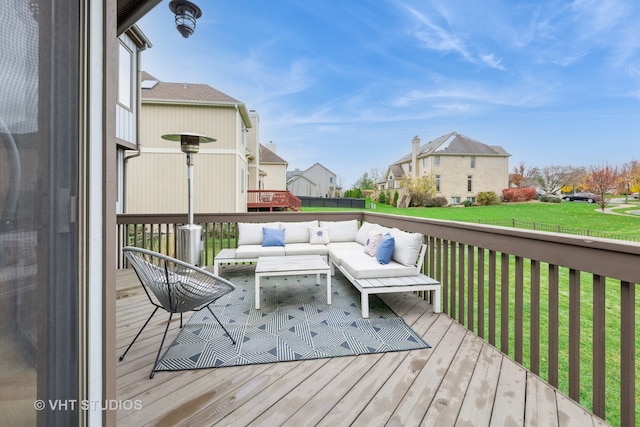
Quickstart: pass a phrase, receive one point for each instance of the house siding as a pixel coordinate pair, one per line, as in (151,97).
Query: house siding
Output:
(157,179)
(276,178)
(490,174)
(449,157)
(302,187)
(323,183)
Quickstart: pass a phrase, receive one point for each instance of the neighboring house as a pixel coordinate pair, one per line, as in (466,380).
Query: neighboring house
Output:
(130,44)
(462,167)
(156,175)
(317,181)
(273,169)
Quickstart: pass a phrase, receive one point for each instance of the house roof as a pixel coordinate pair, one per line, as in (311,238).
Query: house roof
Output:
(397,171)
(184,91)
(454,143)
(188,93)
(268,156)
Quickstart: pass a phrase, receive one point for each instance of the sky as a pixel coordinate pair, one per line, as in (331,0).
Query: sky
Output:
(349,84)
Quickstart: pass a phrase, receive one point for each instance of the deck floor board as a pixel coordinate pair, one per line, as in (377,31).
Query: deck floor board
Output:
(461,380)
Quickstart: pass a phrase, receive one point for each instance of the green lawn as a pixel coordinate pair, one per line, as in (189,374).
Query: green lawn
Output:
(565,214)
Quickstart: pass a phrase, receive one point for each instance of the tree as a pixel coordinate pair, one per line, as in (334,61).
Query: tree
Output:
(602,181)
(365,182)
(525,176)
(629,178)
(554,178)
(376,175)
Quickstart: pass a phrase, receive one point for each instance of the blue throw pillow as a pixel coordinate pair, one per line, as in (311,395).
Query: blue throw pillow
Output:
(272,236)
(385,249)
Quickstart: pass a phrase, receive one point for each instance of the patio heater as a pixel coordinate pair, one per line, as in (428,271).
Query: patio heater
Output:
(189,237)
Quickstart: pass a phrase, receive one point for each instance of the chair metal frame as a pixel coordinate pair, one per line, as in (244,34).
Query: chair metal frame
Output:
(175,286)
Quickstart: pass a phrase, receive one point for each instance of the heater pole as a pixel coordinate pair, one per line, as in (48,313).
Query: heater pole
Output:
(190,186)
(189,236)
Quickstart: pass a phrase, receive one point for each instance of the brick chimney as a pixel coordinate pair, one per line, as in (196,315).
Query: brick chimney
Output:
(415,146)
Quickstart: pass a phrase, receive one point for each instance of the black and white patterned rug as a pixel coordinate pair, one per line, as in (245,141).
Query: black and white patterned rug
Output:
(294,323)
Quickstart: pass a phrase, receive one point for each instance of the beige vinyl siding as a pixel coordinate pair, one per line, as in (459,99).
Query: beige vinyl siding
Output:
(157,179)
(276,178)
(157,183)
(216,122)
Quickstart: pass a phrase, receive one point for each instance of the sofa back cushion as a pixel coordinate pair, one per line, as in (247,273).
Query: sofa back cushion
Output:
(407,247)
(341,231)
(250,233)
(297,232)
(364,231)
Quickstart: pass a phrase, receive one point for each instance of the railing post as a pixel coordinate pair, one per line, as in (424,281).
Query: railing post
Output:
(481,283)
(492,297)
(627,350)
(599,343)
(519,309)
(553,325)
(504,303)
(574,335)
(534,338)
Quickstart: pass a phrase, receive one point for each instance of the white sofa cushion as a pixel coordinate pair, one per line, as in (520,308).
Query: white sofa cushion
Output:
(366,267)
(363,232)
(339,250)
(250,233)
(255,251)
(305,249)
(341,231)
(407,247)
(297,232)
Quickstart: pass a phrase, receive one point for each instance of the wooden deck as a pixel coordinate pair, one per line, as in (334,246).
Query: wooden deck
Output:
(461,381)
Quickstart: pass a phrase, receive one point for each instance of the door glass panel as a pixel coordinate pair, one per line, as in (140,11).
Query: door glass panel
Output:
(38,193)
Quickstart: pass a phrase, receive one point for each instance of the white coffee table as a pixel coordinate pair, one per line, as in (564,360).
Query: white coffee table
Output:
(292,265)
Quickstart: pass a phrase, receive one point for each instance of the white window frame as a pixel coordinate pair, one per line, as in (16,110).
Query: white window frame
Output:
(125,76)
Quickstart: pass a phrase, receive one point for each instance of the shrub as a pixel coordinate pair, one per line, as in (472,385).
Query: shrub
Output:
(383,198)
(486,198)
(354,193)
(395,198)
(519,194)
(467,203)
(440,202)
(421,189)
(549,199)
(435,202)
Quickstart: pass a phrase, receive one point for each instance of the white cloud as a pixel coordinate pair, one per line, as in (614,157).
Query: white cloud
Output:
(492,61)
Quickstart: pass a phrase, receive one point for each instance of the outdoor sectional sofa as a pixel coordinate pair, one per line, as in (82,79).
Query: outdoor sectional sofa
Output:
(354,250)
